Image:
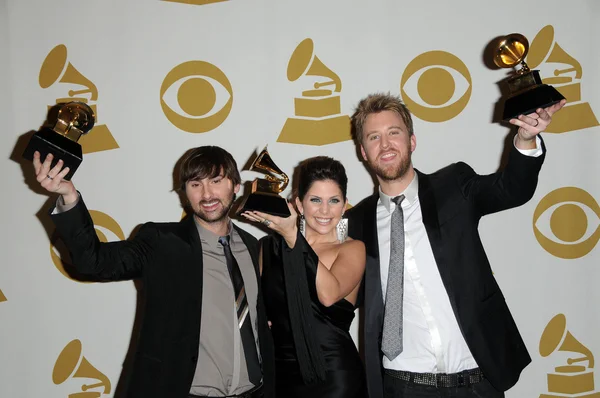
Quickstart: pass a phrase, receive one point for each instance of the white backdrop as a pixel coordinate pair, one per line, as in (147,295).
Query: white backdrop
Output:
(223,67)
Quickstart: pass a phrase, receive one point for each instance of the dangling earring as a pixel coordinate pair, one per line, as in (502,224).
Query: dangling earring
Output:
(342,229)
(302,224)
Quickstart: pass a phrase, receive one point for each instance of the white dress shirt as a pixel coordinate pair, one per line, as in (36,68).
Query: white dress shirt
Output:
(432,340)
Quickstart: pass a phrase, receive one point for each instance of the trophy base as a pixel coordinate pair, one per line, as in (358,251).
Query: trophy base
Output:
(265,203)
(47,141)
(527,102)
(316,131)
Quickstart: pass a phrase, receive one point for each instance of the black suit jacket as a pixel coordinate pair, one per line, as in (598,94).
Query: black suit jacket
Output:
(168,258)
(452,202)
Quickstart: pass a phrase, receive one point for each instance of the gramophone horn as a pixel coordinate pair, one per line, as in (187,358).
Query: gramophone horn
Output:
(264,163)
(52,70)
(302,63)
(66,366)
(542,45)
(511,50)
(557,337)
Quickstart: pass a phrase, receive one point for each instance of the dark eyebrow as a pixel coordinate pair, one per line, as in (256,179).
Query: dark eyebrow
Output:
(389,128)
(395,127)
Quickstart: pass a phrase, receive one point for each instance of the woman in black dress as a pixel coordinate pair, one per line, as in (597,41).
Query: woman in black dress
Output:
(311,275)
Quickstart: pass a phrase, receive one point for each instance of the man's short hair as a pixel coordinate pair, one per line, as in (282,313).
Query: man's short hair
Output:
(375,103)
(208,162)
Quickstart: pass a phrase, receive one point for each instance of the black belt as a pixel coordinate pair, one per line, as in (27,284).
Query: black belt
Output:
(255,392)
(461,379)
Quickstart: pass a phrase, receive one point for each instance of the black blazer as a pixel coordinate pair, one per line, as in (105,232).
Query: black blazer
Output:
(168,258)
(452,202)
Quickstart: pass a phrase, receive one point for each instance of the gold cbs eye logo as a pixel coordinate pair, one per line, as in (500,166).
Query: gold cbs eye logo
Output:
(438,86)
(193,89)
(102,221)
(566,223)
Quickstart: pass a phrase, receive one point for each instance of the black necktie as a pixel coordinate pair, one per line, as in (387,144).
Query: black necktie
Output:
(244,323)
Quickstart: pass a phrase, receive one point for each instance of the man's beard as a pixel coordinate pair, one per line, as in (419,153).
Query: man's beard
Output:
(393,173)
(214,216)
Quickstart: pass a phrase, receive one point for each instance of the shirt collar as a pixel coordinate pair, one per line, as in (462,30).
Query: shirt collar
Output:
(209,237)
(411,194)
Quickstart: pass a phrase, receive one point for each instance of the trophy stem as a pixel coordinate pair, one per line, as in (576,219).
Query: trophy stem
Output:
(524,68)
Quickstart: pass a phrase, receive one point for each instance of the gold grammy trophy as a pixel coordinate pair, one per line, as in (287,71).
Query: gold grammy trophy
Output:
(74,120)
(527,92)
(265,192)
(568,380)
(56,69)
(576,114)
(67,366)
(318,119)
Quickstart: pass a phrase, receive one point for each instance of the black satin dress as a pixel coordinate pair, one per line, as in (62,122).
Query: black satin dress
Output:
(328,327)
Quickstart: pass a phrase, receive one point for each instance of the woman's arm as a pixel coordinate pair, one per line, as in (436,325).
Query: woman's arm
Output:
(345,274)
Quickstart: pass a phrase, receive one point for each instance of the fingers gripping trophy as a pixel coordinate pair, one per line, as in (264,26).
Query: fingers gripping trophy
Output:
(74,120)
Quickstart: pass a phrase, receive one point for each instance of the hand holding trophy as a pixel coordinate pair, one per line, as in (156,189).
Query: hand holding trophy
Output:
(265,192)
(74,119)
(527,92)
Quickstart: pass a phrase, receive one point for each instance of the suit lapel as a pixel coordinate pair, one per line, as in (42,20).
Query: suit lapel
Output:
(429,210)
(251,246)
(373,296)
(195,266)
(369,235)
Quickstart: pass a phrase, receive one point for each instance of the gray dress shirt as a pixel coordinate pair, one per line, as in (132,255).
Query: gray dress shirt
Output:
(221,368)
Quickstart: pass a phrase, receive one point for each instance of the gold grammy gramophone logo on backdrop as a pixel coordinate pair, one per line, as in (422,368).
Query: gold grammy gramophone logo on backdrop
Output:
(576,114)
(57,69)
(196,2)
(2,296)
(318,118)
(101,220)
(438,87)
(566,222)
(196,96)
(574,379)
(71,364)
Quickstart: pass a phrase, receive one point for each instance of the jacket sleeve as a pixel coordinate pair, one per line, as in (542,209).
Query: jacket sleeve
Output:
(108,261)
(511,187)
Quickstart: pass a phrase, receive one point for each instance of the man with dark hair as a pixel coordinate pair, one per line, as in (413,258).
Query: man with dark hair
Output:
(204,331)
(436,323)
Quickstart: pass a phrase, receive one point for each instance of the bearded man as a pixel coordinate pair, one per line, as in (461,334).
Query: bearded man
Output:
(436,323)
(204,330)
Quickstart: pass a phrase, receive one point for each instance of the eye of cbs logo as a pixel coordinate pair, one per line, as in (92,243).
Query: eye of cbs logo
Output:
(566,223)
(196,96)
(436,86)
(105,226)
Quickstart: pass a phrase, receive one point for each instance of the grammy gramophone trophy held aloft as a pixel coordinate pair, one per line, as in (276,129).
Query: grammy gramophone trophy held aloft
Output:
(264,196)
(527,92)
(74,119)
